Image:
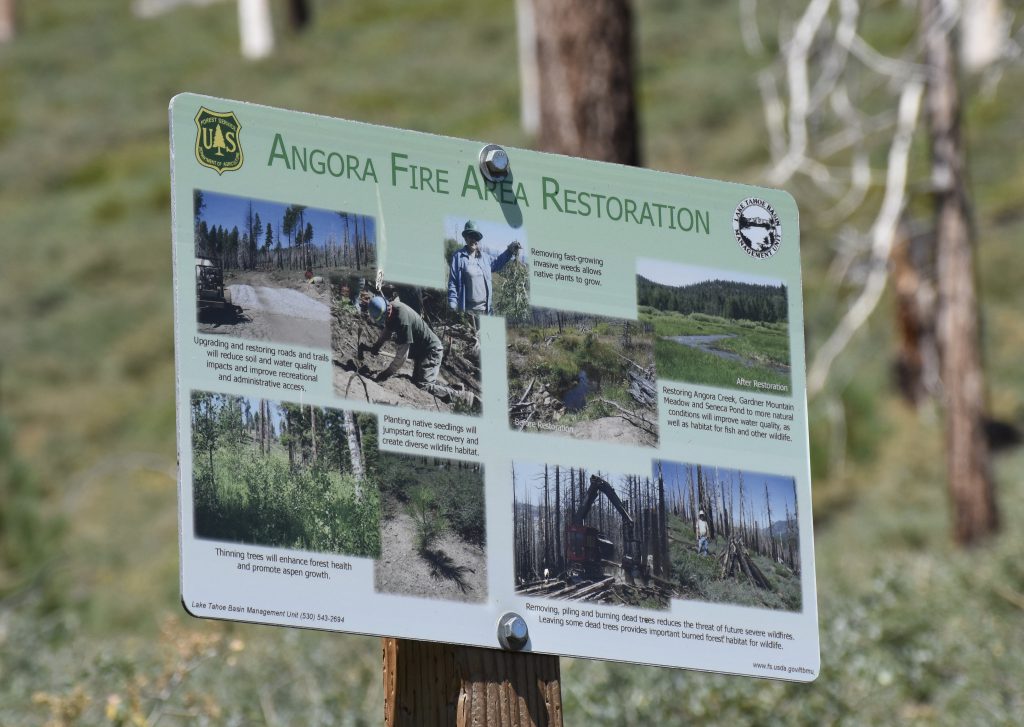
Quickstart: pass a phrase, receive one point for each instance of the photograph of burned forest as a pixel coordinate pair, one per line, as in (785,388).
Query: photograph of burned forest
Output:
(631,540)
(589,536)
(716,328)
(285,475)
(435,333)
(583,376)
(753,541)
(264,269)
(433,542)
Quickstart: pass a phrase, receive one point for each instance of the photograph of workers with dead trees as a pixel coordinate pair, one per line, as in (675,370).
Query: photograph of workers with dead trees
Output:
(433,534)
(264,269)
(732,535)
(403,345)
(684,531)
(589,536)
(285,475)
(486,267)
(716,328)
(582,376)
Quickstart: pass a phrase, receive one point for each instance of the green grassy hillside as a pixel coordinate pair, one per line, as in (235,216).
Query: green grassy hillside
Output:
(91,630)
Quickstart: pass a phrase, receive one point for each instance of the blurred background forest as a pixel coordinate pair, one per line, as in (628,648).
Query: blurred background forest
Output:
(915,628)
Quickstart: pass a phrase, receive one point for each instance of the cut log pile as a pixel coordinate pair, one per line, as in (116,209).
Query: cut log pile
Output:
(736,561)
(537,402)
(641,383)
(608,591)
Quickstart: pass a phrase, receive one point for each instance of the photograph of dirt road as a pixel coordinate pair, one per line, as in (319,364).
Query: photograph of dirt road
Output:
(716,328)
(264,269)
(433,537)
(404,346)
(582,376)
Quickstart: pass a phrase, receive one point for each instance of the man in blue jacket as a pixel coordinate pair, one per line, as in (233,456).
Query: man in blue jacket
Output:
(469,279)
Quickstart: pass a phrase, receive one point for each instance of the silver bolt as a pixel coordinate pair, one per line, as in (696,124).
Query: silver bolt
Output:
(512,632)
(494,163)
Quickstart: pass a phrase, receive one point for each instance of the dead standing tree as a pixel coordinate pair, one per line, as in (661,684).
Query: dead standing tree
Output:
(822,64)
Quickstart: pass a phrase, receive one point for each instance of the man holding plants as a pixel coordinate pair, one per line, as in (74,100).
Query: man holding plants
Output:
(469,277)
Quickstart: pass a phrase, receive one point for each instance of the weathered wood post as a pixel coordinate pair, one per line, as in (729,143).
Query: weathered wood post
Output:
(436,685)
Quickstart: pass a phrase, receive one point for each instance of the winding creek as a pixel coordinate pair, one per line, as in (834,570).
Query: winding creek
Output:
(706,343)
(576,397)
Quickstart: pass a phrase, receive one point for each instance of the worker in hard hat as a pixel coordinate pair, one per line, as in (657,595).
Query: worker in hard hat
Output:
(702,534)
(413,338)
(469,276)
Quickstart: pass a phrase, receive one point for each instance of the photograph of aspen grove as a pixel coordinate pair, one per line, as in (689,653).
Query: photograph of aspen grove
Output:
(582,376)
(716,328)
(509,286)
(285,475)
(433,530)
(264,269)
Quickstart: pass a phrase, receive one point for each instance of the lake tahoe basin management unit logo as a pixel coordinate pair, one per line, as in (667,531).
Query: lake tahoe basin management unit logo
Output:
(757,228)
(218,145)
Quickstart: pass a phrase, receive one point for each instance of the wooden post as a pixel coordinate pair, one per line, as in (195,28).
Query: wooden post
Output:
(437,685)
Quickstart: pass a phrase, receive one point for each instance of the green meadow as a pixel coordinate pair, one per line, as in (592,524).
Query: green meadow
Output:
(763,348)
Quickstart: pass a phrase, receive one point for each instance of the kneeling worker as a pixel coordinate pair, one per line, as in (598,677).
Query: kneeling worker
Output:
(414,338)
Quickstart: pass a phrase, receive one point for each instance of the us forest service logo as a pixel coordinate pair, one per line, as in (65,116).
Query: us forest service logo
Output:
(757,227)
(218,145)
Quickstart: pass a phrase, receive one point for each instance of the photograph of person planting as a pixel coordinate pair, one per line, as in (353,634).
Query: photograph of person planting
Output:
(716,328)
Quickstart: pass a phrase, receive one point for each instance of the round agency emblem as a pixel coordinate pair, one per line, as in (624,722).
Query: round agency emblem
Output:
(757,227)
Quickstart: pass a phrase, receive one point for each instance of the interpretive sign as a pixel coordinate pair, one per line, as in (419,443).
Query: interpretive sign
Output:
(423,383)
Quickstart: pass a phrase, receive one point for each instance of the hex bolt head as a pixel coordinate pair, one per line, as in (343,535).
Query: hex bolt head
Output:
(494,164)
(512,632)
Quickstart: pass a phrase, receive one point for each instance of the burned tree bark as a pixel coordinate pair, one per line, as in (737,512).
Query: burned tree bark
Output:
(8,21)
(963,380)
(587,99)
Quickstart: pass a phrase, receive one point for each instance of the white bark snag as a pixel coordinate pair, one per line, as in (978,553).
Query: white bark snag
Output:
(529,74)
(585,57)
(255,28)
(355,455)
(7,21)
(986,33)
(963,380)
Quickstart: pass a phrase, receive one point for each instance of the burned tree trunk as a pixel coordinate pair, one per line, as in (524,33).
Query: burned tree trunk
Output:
(963,378)
(587,101)
(912,271)
(8,21)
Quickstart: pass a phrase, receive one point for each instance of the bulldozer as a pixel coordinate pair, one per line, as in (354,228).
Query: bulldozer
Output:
(211,297)
(588,552)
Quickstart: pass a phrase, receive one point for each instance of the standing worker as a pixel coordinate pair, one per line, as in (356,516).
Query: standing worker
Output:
(469,279)
(702,534)
(413,338)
